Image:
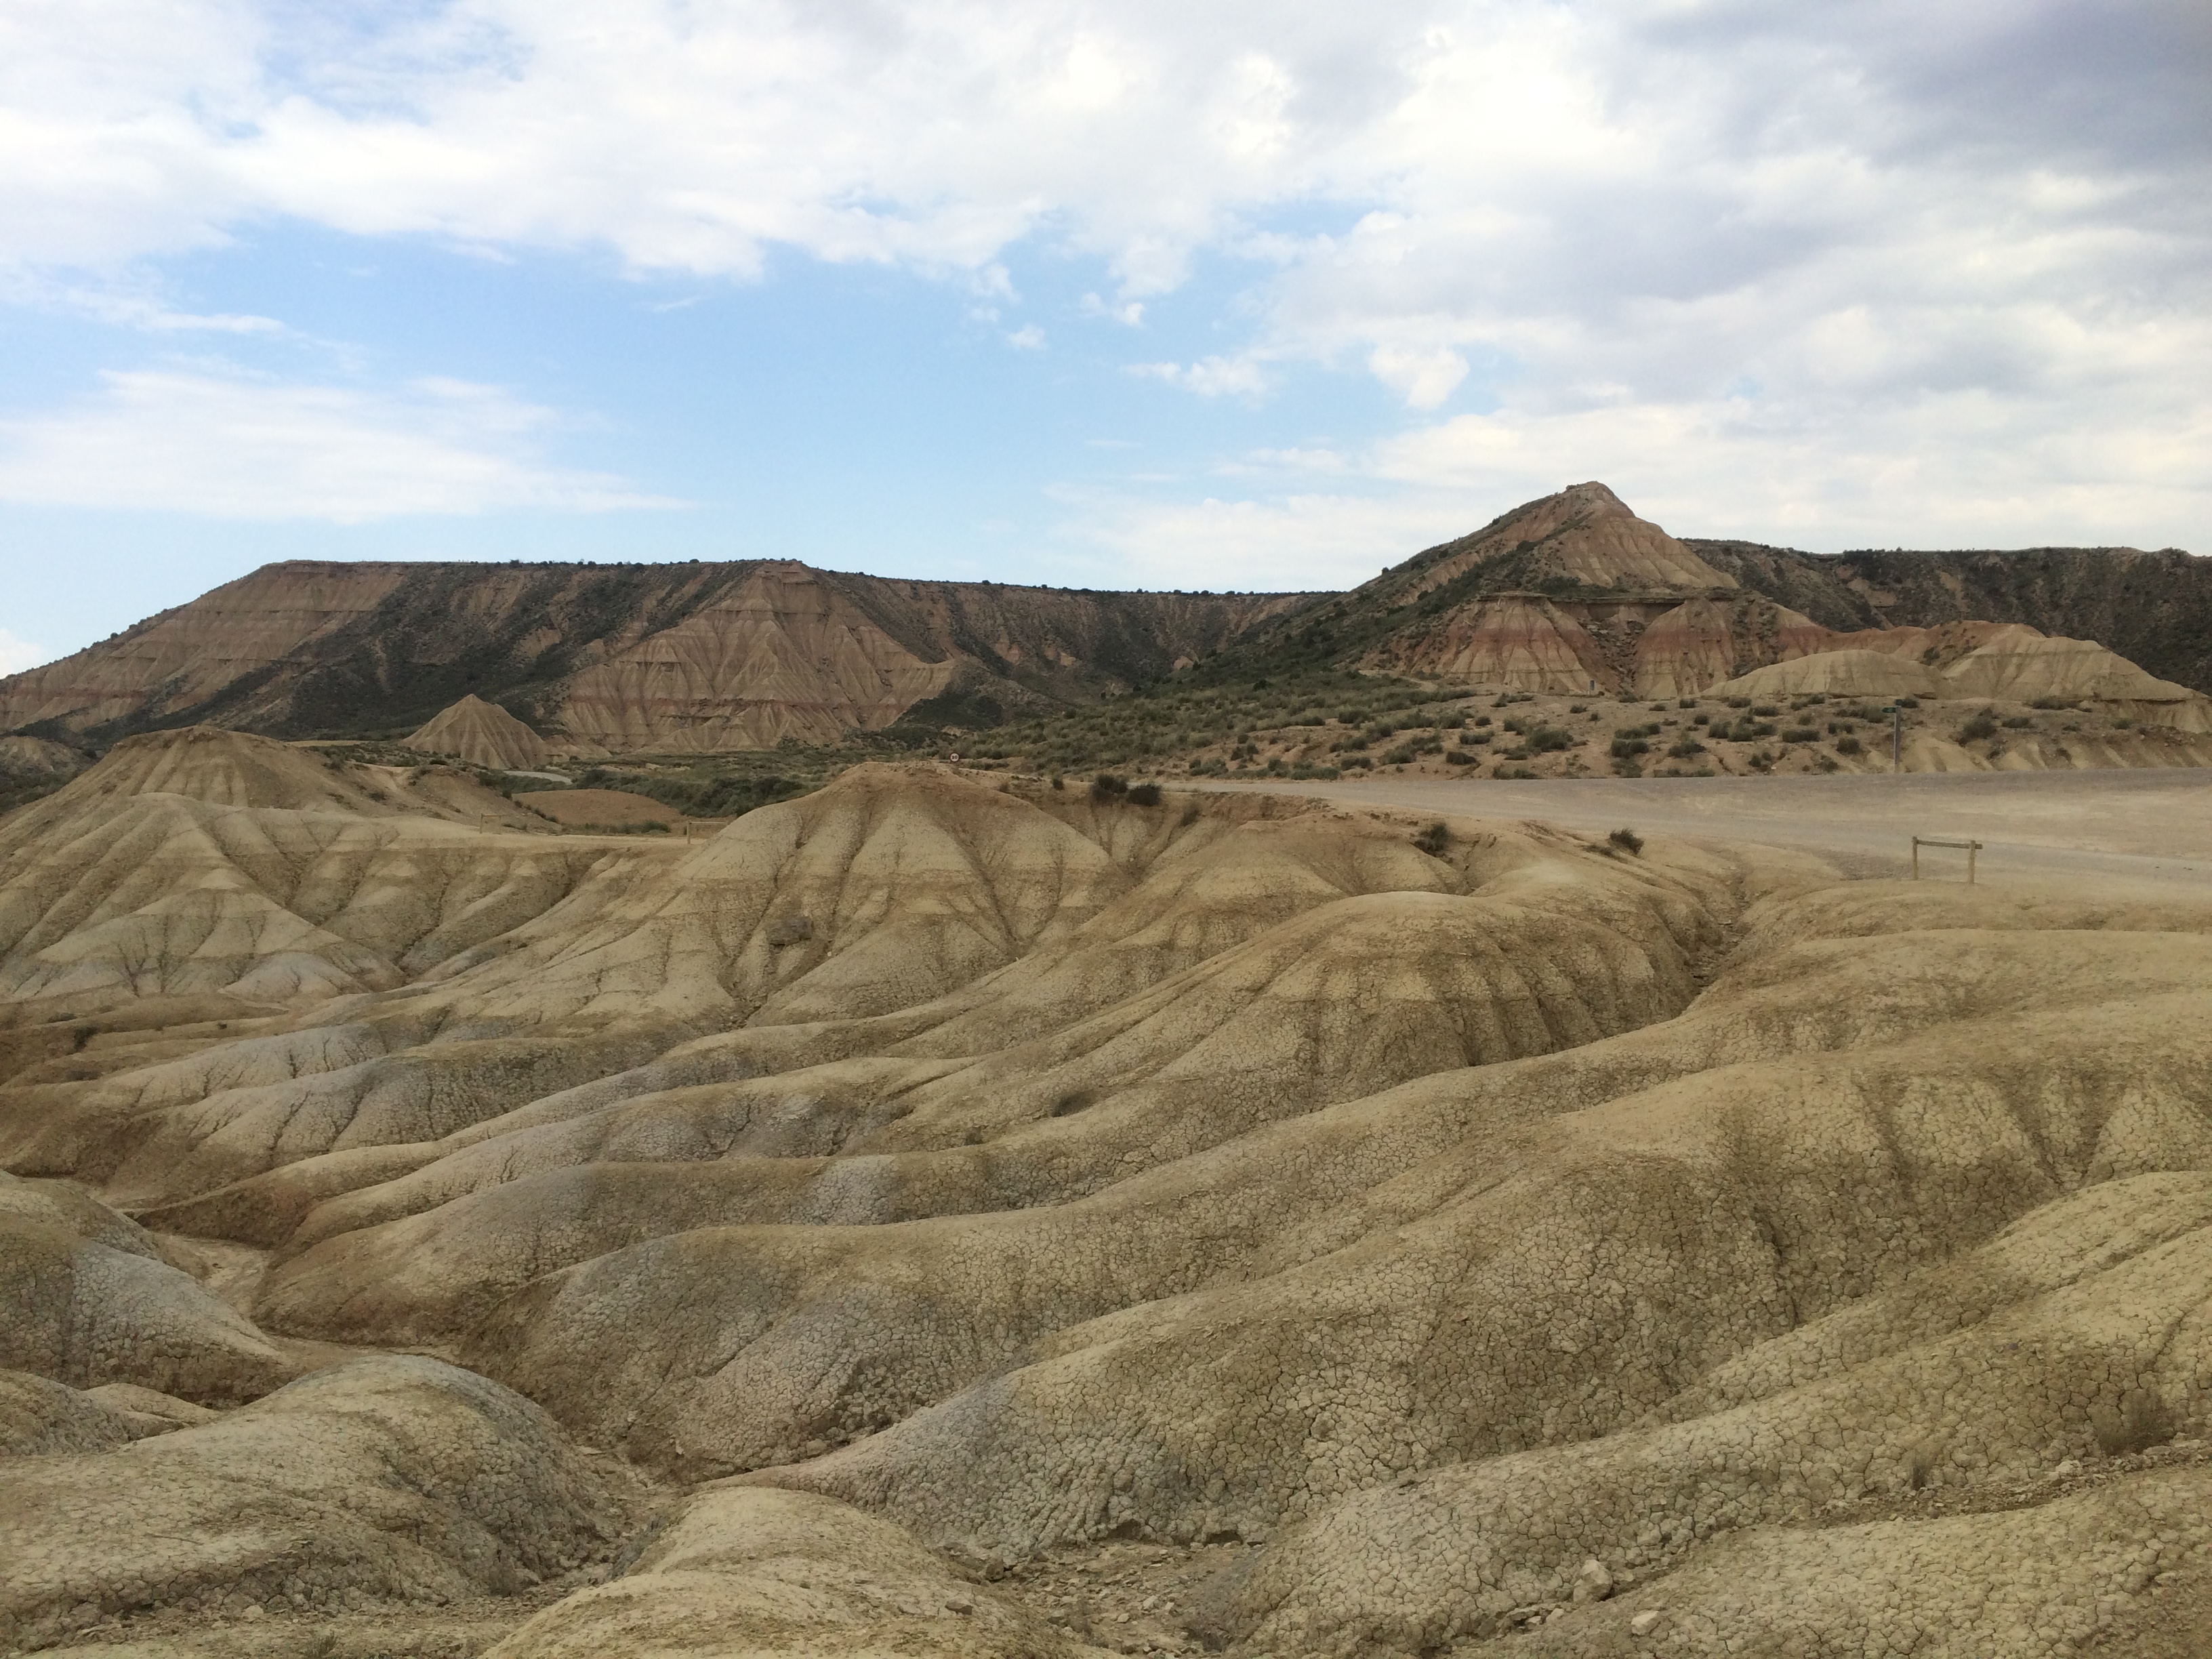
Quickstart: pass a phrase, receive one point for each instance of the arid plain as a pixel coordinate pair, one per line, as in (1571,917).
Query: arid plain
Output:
(1361,1185)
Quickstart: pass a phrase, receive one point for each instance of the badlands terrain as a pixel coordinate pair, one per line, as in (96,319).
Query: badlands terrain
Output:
(947,1213)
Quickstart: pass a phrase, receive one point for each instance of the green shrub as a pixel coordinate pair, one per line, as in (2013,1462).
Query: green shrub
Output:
(1461,757)
(1850,746)
(1433,839)
(1626,840)
(1547,740)
(1978,728)
(1144,795)
(1106,786)
(1685,746)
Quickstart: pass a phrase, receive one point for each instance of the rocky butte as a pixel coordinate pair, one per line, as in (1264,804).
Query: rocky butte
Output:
(949,1214)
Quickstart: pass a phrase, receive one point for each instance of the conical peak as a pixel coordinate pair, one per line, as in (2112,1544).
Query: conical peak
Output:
(1583,535)
(1593,497)
(481,733)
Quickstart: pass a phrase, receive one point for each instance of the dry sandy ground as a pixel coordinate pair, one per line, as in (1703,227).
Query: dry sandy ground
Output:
(941,1216)
(2147,828)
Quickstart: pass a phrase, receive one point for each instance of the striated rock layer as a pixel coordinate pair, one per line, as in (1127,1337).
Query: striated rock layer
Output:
(483,734)
(677,657)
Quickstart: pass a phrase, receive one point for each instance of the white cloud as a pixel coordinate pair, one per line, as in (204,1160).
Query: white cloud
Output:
(231,447)
(1857,242)
(1209,377)
(17,655)
(1129,313)
(1030,338)
(1423,379)
(1300,542)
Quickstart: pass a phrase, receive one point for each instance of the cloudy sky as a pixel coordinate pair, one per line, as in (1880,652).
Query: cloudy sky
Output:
(1249,294)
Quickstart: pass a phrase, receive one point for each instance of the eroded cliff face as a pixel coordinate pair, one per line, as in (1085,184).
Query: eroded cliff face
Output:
(1575,593)
(678,657)
(780,655)
(2154,609)
(184,657)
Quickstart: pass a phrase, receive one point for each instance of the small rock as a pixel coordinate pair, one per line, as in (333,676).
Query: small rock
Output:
(1593,1583)
(958,1604)
(1646,1622)
(2065,1470)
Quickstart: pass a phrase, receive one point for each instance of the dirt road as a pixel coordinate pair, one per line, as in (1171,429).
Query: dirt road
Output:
(2152,827)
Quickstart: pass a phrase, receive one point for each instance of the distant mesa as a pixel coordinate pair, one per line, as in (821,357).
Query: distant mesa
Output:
(483,734)
(613,659)
(1571,594)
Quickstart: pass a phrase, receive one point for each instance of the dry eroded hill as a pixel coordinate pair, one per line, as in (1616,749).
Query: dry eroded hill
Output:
(671,658)
(935,1218)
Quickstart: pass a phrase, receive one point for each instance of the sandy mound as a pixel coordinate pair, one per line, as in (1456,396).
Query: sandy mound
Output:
(610,809)
(393,1479)
(92,1301)
(222,768)
(205,861)
(483,734)
(750,1571)
(1838,674)
(1986,660)
(39,1416)
(2022,666)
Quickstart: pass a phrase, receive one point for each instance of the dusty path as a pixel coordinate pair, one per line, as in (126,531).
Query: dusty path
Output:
(2151,827)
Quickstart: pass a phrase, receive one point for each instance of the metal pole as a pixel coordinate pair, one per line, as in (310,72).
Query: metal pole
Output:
(1973,846)
(1916,858)
(1896,739)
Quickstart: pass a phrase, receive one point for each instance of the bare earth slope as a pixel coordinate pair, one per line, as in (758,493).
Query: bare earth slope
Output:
(2154,609)
(1028,1222)
(666,657)
(481,733)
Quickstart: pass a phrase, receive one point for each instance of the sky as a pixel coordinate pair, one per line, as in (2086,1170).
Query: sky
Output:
(1250,295)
